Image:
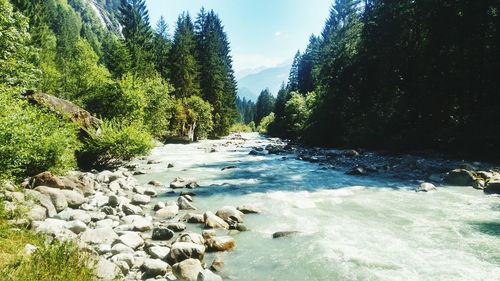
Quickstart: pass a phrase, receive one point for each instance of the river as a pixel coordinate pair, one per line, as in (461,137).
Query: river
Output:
(352,228)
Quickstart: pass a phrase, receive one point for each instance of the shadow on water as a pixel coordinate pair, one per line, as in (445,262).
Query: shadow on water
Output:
(489,228)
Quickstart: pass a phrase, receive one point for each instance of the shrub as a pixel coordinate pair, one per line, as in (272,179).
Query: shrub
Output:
(33,140)
(160,106)
(241,128)
(265,122)
(118,141)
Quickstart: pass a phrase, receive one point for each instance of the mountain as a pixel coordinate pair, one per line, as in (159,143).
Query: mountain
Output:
(251,85)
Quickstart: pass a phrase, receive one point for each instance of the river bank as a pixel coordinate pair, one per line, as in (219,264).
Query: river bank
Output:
(345,227)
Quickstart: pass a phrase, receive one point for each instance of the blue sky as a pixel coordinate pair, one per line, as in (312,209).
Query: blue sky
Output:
(263,33)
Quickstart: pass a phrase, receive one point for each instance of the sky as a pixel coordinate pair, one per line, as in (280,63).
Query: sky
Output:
(263,33)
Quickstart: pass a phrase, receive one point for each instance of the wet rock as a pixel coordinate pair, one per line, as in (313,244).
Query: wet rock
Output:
(208,275)
(170,165)
(213,221)
(241,227)
(154,267)
(426,187)
(460,177)
(228,168)
(221,243)
(176,227)
(131,239)
(106,270)
(248,209)
(351,153)
(281,234)
(217,264)
(140,199)
(183,183)
(208,233)
(130,209)
(493,187)
(187,270)
(230,214)
(158,252)
(154,183)
(184,204)
(358,171)
(150,192)
(193,218)
(162,233)
(256,153)
(181,251)
(152,162)
(168,212)
(98,236)
(479,184)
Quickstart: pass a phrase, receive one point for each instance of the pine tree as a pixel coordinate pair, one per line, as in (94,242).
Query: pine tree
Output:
(162,46)
(293,77)
(264,106)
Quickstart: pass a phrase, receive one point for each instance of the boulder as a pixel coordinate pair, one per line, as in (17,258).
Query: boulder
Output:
(76,226)
(71,214)
(208,233)
(106,270)
(140,199)
(194,218)
(230,214)
(74,198)
(208,275)
(248,209)
(162,233)
(358,171)
(181,251)
(37,213)
(183,183)
(43,200)
(130,209)
(221,243)
(158,206)
(184,204)
(213,221)
(56,196)
(54,228)
(176,227)
(459,177)
(281,234)
(158,252)
(217,264)
(113,201)
(493,187)
(154,267)
(154,183)
(168,212)
(191,237)
(125,257)
(121,248)
(131,239)
(187,270)
(150,192)
(138,222)
(426,187)
(47,179)
(98,236)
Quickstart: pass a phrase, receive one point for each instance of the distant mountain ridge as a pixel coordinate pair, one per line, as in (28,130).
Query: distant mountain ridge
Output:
(250,86)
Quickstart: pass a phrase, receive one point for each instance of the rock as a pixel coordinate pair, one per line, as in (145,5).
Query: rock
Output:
(221,243)
(426,187)
(44,201)
(48,180)
(106,223)
(208,233)
(358,171)
(187,270)
(191,237)
(30,249)
(184,204)
(281,234)
(170,165)
(493,187)
(158,206)
(106,270)
(154,267)
(230,214)
(152,162)
(213,221)
(103,249)
(479,183)
(187,197)
(97,236)
(113,201)
(73,198)
(121,248)
(71,214)
(130,209)
(140,199)
(194,218)
(208,275)
(256,153)
(158,252)
(241,227)
(131,239)
(351,153)
(110,211)
(54,228)
(56,197)
(37,213)
(248,209)
(176,227)
(162,233)
(154,183)
(127,258)
(138,222)
(150,192)
(183,183)
(181,251)
(459,177)
(76,226)
(217,264)
(228,168)
(168,212)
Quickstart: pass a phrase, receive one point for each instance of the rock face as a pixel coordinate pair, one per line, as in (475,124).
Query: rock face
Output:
(181,251)
(183,183)
(187,270)
(222,243)
(460,177)
(213,221)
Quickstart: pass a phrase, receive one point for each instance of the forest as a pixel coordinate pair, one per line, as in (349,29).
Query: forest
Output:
(143,82)
(397,76)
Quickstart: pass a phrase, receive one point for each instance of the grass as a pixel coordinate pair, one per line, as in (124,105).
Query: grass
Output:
(50,262)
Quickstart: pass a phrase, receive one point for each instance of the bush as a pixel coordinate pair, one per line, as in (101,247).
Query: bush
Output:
(192,111)
(33,140)
(241,128)
(265,122)
(118,141)
(160,106)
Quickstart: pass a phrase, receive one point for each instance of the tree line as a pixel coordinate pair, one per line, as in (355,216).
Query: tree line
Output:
(398,75)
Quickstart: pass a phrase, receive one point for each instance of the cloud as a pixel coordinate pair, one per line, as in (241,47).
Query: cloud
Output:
(278,34)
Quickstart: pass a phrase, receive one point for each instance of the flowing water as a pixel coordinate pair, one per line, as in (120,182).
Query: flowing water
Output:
(351,228)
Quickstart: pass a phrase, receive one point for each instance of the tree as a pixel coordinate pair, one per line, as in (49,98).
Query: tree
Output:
(264,106)
(162,46)
(293,77)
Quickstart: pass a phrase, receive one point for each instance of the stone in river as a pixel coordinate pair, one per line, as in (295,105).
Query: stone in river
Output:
(281,234)
(183,183)
(221,243)
(426,187)
(187,270)
(248,209)
(460,177)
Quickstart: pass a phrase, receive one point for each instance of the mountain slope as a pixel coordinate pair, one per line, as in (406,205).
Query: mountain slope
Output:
(251,85)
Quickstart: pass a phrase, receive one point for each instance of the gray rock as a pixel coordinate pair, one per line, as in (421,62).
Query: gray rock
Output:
(71,214)
(208,233)
(131,239)
(185,250)
(130,209)
(43,200)
(103,249)
(230,214)
(162,233)
(30,249)
(154,267)
(37,213)
(74,198)
(106,223)
(106,270)
(219,244)
(168,212)
(191,237)
(459,177)
(158,252)
(248,209)
(56,197)
(105,235)
(213,221)
(140,223)
(158,206)
(187,270)
(113,201)
(154,183)
(127,258)
(176,227)
(281,234)
(183,183)
(217,264)
(140,199)
(54,228)
(76,226)
(194,218)
(184,204)
(208,275)
(121,248)
(150,192)
(493,187)
(426,187)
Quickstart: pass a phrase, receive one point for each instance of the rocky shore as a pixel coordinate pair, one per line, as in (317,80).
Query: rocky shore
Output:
(113,217)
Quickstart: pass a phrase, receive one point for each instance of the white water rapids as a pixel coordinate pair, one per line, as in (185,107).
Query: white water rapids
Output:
(352,228)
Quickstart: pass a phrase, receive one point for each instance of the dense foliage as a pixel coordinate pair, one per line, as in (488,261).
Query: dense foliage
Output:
(399,75)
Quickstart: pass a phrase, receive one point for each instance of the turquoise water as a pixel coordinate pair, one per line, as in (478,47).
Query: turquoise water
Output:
(351,228)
